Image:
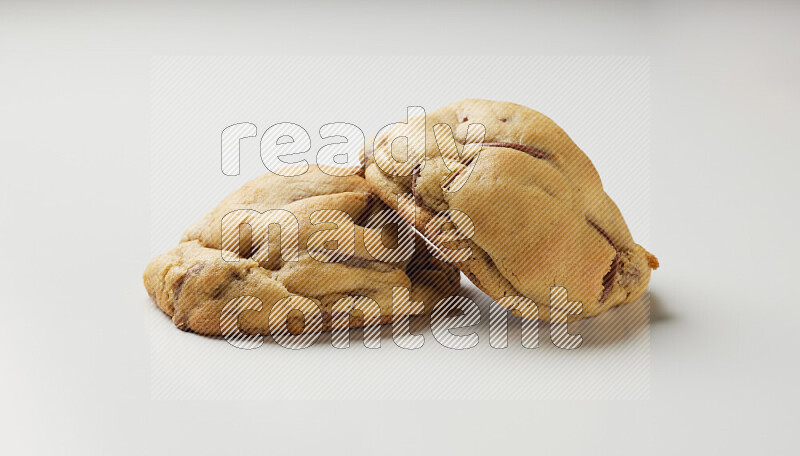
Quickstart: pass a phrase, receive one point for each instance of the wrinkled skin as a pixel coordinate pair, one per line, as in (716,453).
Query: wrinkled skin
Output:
(540,215)
(193,282)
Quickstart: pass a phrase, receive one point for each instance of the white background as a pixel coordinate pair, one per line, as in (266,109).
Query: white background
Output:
(75,190)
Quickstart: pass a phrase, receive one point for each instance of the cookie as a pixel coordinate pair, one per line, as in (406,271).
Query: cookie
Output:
(539,215)
(323,255)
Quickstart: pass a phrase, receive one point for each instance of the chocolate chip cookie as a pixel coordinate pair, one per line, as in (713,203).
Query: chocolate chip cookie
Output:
(319,240)
(527,206)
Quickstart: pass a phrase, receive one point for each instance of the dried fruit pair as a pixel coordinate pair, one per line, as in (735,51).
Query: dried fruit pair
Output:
(508,186)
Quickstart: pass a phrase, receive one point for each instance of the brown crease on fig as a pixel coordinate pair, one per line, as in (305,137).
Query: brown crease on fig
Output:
(369,207)
(603,233)
(179,284)
(414,175)
(530,150)
(610,277)
(353,261)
